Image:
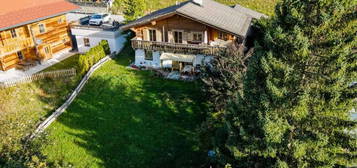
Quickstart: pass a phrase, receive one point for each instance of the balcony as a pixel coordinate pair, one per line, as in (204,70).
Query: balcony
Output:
(178,48)
(14,45)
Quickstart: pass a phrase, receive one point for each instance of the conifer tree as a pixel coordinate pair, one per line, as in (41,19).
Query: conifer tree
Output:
(296,101)
(223,79)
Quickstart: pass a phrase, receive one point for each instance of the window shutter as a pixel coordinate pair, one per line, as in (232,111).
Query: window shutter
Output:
(146,35)
(158,35)
(171,36)
(189,37)
(185,37)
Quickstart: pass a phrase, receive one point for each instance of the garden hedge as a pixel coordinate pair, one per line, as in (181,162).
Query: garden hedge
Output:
(87,60)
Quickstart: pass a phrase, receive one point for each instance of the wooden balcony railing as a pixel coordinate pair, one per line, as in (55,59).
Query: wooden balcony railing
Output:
(178,48)
(16,44)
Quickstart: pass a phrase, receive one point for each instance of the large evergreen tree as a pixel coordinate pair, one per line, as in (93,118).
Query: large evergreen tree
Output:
(294,108)
(223,79)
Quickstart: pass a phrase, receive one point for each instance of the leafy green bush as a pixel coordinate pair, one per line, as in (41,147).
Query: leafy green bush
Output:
(28,155)
(95,54)
(83,63)
(105,45)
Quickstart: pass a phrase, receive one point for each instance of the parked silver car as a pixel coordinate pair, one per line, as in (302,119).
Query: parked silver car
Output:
(99,19)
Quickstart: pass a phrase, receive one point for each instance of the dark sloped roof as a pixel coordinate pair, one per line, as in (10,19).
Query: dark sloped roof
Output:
(210,13)
(249,12)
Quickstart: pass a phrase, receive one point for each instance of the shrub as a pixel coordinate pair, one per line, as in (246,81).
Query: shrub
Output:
(83,63)
(28,155)
(105,45)
(95,54)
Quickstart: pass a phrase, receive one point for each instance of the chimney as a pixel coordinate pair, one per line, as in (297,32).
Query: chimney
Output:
(198,2)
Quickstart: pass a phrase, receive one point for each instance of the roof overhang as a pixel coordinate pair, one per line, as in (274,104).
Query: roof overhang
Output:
(133,24)
(167,15)
(207,24)
(36,20)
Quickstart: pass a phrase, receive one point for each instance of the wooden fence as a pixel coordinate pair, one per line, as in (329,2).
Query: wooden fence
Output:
(68,102)
(38,76)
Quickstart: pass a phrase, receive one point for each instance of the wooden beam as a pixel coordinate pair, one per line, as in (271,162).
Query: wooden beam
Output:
(34,40)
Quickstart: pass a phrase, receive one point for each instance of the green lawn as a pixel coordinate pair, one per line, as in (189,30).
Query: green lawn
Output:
(263,6)
(71,62)
(126,118)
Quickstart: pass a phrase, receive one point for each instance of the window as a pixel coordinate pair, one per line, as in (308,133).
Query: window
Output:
(148,55)
(20,55)
(47,50)
(60,20)
(197,37)
(42,28)
(222,36)
(13,33)
(86,42)
(178,36)
(152,35)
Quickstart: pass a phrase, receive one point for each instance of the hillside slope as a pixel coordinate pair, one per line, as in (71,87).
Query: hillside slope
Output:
(263,6)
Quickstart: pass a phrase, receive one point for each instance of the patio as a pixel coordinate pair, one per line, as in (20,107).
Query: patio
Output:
(32,68)
(188,73)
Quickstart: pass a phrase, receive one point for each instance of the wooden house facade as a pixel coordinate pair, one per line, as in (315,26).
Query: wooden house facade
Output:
(36,38)
(187,34)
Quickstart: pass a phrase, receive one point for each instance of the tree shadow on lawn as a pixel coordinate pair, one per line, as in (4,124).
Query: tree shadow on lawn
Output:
(133,119)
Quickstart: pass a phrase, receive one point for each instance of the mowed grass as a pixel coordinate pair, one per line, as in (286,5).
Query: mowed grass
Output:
(127,118)
(264,6)
(71,62)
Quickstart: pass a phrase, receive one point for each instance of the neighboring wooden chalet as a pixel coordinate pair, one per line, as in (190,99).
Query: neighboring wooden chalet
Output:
(189,33)
(32,30)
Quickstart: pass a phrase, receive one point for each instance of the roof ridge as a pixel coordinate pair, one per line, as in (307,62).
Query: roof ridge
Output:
(211,13)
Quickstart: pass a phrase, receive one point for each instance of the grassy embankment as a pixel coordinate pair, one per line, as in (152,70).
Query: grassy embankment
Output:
(127,118)
(25,105)
(263,6)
